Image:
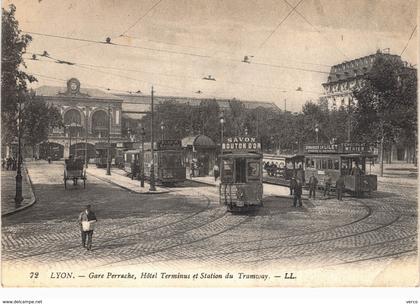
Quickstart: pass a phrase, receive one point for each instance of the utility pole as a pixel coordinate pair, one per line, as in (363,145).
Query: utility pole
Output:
(152,167)
(18,196)
(349,121)
(108,156)
(86,138)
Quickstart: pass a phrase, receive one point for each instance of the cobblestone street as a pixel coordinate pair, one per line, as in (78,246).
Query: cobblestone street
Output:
(187,226)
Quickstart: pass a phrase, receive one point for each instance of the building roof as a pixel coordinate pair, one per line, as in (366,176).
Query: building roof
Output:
(198,141)
(356,68)
(133,102)
(55,91)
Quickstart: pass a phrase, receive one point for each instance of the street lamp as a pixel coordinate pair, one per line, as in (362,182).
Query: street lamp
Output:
(18,196)
(152,166)
(108,156)
(162,128)
(222,121)
(142,134)
(316,131)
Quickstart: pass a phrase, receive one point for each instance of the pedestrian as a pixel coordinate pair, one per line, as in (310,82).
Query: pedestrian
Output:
(216,172)
(292,185)
(339,187)
(327,186)
(3,163)
(313,184)
(87,220)
(49,159)
(297,194)
(300,175)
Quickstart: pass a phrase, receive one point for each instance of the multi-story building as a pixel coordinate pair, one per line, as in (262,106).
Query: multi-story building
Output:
(88,114)
(346,77)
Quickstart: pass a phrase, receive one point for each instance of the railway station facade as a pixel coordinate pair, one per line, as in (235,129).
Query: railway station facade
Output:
(88,114)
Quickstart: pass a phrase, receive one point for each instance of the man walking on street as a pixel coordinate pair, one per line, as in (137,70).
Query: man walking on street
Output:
(87,220)
(313,184)
(216,172)
(292,184)
(339,187)
(297,193)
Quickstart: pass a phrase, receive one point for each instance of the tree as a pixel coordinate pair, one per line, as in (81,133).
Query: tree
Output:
(387,104)
(38,118)
(13,80)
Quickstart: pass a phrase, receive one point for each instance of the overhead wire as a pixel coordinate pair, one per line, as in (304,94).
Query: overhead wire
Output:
(314,27)
(141,17)
(95,67)
(278,25)
(408,41)
(172,52)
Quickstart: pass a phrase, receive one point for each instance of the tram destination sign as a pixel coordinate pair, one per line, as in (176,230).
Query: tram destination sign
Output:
(322,148)
(241,143)
(343,148)
(169,144)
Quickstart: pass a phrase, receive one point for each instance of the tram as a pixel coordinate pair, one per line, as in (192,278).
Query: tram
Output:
(279,169)
(132,163)
(241,186)
(348,159)
(169,165)
(101,154)
(120,148)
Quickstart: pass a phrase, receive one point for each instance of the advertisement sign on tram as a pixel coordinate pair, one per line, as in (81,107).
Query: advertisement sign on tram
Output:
(241,143)
(169,144)
(340,148)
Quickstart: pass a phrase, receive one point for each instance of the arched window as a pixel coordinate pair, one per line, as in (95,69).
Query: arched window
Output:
(100,124)
(73,123)
(72,117)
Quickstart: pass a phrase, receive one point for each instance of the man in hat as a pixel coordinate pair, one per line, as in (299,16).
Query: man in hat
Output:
(87,220)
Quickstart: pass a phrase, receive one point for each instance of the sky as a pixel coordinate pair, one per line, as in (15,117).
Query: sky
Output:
(173,44)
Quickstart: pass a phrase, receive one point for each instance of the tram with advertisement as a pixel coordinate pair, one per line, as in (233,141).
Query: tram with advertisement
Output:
(241,186)
(348,159)
(169,165)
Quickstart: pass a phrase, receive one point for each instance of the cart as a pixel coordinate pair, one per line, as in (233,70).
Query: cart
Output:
(74,171)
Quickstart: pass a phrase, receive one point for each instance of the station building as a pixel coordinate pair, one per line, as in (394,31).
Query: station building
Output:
(89,115)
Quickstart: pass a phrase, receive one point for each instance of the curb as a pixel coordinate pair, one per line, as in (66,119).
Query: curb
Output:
(32,199)
(128,189)
(202,182)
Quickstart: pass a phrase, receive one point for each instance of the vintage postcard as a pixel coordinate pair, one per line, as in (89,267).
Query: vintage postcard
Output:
(228,143)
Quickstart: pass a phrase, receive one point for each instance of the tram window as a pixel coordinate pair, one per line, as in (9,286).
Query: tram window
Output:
(324,164)
(253,170)
(240,170)
(310,163)
(330,164)
(227,170)
(336,164)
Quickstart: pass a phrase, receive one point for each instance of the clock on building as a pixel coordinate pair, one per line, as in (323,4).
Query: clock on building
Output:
(73,86)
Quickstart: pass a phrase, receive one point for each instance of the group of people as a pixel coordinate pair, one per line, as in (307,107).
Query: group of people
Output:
(296,187)
(271,169)
(9,163)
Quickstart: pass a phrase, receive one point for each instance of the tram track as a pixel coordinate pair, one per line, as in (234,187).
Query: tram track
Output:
(303,244)
(77,235)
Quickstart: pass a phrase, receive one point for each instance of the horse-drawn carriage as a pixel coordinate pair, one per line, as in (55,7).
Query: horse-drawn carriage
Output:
(74,170)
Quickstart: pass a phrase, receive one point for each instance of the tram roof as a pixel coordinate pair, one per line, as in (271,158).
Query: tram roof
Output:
(242,155)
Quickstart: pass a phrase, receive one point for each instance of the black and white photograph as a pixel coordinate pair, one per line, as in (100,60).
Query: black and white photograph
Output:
(209,143)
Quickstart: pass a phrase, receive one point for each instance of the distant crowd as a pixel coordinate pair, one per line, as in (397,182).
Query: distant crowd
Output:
(9,163)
